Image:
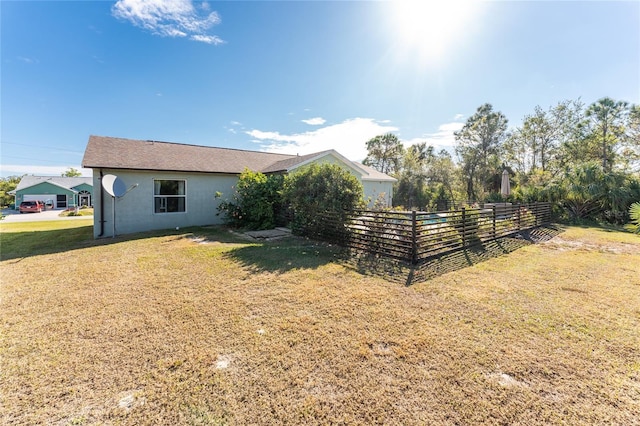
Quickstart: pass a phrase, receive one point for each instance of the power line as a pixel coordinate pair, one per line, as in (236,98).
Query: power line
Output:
(31,159)
(40,146)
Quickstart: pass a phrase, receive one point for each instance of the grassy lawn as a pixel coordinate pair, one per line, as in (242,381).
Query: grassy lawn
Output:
(19,239)
(80,212)
(201,326)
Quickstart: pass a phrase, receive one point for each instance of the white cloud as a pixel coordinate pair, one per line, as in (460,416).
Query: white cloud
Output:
(24,169)
(448,128)
(207,39)
(441,139)
(174,18)
(348,138)
(458,117)
(233,127)
(316,121)
(28,60)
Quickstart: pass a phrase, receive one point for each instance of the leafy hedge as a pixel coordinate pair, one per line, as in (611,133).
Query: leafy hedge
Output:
(256,203)
(309,192)
(316,190)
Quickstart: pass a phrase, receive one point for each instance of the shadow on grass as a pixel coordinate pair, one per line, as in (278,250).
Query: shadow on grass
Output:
(274,256)
(410,274)
(18,245)
(279,255)
(23,244)
(285,254)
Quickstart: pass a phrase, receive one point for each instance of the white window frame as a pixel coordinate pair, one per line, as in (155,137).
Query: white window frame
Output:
(85,194)
(163,198)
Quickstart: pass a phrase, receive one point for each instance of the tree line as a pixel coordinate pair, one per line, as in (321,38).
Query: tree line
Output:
(583,158)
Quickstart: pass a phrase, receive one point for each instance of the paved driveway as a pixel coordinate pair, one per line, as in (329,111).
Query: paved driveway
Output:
(15,216)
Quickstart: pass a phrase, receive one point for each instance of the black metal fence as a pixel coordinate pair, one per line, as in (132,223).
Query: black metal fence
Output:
(417,236)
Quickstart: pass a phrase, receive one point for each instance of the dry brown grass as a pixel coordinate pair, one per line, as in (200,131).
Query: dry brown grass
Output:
(168,330)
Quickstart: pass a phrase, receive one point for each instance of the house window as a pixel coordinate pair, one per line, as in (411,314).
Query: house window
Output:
(61,201)
(169,196)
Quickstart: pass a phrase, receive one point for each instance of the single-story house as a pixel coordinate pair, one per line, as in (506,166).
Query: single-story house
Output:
(172,185)
(56,191)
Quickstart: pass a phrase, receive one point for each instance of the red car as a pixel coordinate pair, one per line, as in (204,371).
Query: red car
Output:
(31,207)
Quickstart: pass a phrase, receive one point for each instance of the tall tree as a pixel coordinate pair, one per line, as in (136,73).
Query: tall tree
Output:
(384,153)
(442,175)
(516,150)
(479,145)
(535,145)
(606,124)
(8,184)
(567,118)
(71,172)
(631,150)
(410,188)
(634,124)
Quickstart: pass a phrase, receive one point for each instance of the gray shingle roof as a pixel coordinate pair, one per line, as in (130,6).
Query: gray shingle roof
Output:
(28,181)
(373,174)
(119,153)
(293,161)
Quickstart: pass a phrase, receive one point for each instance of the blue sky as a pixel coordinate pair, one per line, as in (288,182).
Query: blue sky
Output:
(294,76)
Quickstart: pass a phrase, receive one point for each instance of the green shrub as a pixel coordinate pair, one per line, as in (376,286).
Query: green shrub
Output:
(588,193)
(634,214)
(494,197)
(321,196)
(256,203)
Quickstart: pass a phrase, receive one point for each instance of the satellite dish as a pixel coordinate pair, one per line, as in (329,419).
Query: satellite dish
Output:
(114,185)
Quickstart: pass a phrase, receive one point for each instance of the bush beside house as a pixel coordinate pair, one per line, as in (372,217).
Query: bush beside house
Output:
(316,190)
(312,193)
(256,203)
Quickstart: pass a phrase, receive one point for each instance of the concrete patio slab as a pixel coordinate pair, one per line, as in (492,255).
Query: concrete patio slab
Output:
(269,234)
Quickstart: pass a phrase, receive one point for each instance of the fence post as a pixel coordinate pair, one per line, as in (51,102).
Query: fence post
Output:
(464,227)
(547,216)
(414,238)
(493,210)
(518,216)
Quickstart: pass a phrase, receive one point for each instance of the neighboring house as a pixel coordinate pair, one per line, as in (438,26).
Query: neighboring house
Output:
(171,184)
(56,191)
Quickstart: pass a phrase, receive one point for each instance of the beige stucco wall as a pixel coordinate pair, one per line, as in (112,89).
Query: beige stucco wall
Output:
(134,212)
(377,189)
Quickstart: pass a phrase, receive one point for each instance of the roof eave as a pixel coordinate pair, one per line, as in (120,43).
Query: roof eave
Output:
(141,169)
(373,179)
(326,153)
(49,182)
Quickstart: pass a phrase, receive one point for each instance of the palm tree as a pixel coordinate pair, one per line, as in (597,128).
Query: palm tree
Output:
(634,213)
